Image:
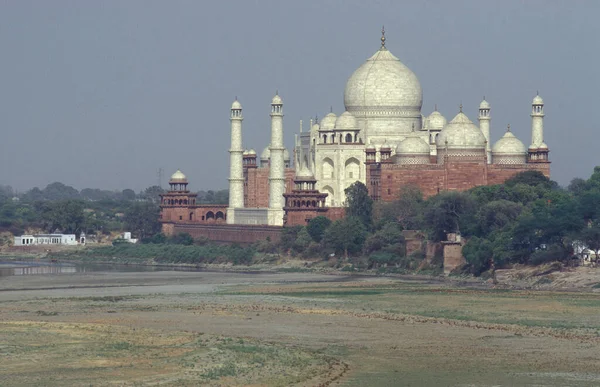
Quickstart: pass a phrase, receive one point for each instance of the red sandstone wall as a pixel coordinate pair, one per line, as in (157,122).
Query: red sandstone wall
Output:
(298,218)
(386,180)
(229,233)
(257,186)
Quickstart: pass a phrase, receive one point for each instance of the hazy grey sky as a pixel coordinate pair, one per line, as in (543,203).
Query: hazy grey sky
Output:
(101,94)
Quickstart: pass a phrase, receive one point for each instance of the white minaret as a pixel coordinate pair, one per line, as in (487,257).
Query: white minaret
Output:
(276,172)
(236,171)
(484,126)
(537,123)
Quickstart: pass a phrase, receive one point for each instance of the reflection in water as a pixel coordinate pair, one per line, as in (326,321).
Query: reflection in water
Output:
(40,268)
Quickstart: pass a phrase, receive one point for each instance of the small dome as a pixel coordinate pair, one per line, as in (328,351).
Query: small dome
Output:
(304,174)
(385,145)
(315,128)
(371,147)
(346,121)
(236,105)
(537,100)
(251,152)
(178,176)
(436,121)
(509,145)
(245,152)
(277,100)
(484,104)
(266,153)
(543,145)
(461,133)
(328,122)
(413,145)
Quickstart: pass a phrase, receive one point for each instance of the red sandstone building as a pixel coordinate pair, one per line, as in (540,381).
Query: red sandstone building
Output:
(382,140)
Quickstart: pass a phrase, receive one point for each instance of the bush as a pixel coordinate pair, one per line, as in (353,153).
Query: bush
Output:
(553,253)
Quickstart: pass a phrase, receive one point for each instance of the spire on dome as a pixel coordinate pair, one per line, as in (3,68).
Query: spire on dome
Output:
(435,108)
(508,128)
(383,38)
(460,107)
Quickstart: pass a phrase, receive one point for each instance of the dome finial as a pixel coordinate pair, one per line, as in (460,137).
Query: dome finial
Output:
(508,128)
(460,107)
(330,109)
(383,37)
(484,97)
(435,108)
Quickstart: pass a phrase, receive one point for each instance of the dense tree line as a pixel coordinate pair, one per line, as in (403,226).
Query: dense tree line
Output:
(529,220)
(59,207)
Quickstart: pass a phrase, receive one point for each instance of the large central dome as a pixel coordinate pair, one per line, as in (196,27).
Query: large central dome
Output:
(383,83)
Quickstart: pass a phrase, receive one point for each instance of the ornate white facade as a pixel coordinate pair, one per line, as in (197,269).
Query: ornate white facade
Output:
(383,100)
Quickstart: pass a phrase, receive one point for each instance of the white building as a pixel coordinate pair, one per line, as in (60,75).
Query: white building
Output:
(46,239)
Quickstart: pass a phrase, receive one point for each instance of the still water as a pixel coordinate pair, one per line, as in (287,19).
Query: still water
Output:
(40,267)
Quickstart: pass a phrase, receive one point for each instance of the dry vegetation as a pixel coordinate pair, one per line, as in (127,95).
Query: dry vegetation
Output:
(291,329)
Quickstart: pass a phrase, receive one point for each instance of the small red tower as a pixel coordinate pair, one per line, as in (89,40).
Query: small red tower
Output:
(176,203)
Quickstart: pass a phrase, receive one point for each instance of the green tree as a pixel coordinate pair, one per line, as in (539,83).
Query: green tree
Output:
(183,238)
(532,178)
(590,236)
(346,235)
(142,219)
(59,191)
(497,214)
(64,215)
(478,253)
(128,194)
(359,203)
(445,213)
(390,235)
(317,226)
(152,194)
(406,211)
(302,241)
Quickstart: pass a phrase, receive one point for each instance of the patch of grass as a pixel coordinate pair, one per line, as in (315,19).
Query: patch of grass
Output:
(119,346)
(44,313)
(227,369)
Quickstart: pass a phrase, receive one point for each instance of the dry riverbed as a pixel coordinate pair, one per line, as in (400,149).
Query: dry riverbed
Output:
(221,329)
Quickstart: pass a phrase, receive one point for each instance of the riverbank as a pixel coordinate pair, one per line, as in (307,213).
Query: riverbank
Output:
(224,328)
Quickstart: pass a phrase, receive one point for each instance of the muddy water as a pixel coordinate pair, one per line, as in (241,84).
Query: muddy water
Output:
(26,268)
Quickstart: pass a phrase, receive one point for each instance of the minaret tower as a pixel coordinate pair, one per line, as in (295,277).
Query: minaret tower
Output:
(537,122)
(236,168)
(538,150)
(484,126)
(276,172)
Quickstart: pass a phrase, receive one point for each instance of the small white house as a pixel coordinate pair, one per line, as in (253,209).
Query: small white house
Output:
(46,239)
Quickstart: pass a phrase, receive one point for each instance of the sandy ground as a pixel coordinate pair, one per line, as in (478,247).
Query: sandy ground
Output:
(217,328)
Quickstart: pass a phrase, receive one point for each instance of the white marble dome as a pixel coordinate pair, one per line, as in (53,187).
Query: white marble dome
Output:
(178,176)
(413,145)
(304,174)
(382,82)
(266,153)
(461,133)
(236,105)
(328,122)
(315,128)
(436,121)
(245,153)
(346,121)
(537,100)
(252,152)
(484,104)
(276,100)
(509,144)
